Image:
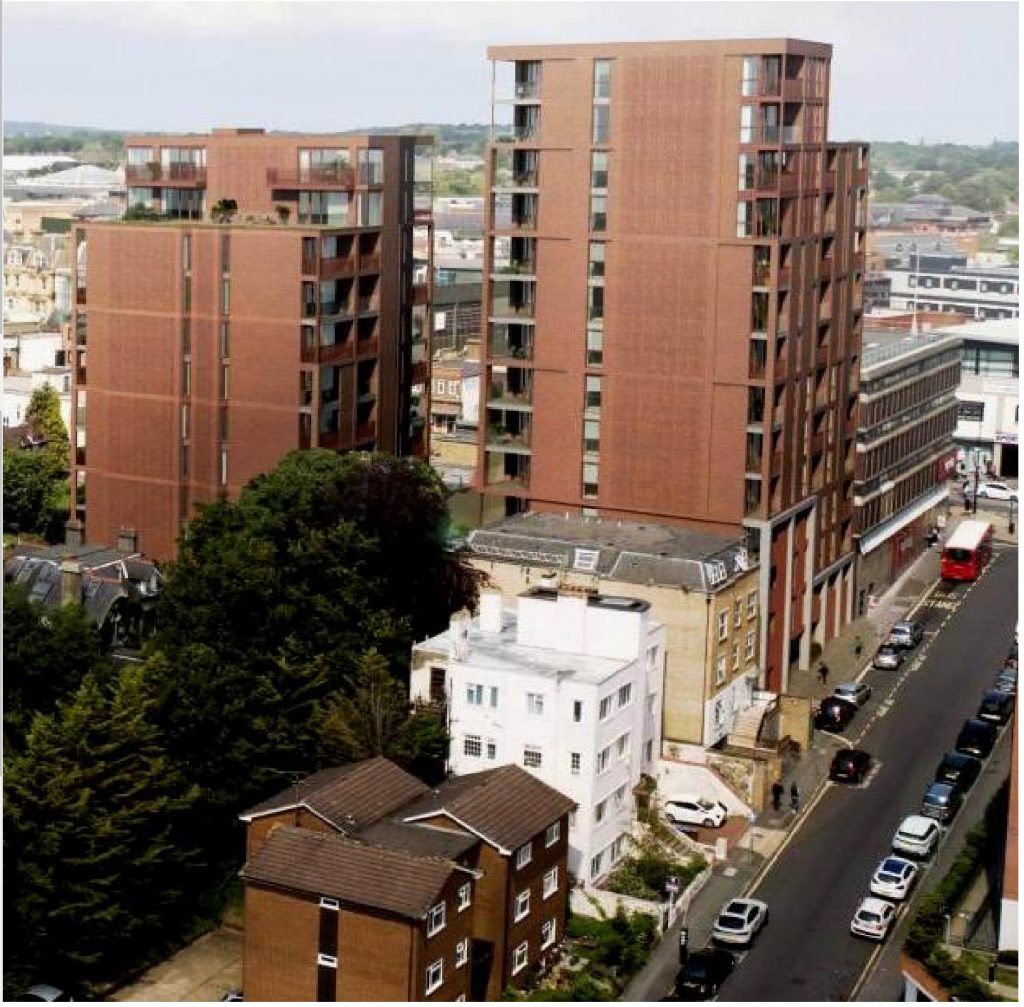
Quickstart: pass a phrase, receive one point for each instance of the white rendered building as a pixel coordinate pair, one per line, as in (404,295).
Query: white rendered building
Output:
(569,686)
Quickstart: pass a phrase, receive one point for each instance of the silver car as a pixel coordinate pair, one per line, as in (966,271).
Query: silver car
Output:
(889,657)
(906,633)
(739,921)
(855,692)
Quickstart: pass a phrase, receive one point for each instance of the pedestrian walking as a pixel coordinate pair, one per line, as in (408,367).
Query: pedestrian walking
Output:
(823,673)
(794,797)
(777,791)
(858,646)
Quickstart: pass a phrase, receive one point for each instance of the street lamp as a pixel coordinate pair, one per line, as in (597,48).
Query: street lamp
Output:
(917,281)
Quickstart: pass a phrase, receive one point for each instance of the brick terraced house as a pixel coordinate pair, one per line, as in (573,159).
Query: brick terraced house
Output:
(260,299)
(362,883)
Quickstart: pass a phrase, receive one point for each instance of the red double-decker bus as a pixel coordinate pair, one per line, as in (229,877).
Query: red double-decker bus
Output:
(967,551)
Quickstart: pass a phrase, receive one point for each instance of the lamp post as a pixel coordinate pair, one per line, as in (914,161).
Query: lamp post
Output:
(917,280)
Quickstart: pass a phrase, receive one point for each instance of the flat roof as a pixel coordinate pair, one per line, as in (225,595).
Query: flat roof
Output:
(728,47)
(993,330)
(894,347)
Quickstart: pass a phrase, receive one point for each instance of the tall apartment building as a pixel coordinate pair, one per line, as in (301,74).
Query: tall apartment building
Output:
(264,302)
(674,333)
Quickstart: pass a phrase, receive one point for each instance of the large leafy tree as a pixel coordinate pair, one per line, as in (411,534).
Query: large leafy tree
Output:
(34,493)
(43,415)
(95,859)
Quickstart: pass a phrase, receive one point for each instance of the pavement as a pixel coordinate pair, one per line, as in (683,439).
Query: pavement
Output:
(751,858)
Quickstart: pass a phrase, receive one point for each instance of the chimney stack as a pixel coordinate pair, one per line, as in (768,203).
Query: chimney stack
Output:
(70,582)
(127,540)
(73,533)
(490,611)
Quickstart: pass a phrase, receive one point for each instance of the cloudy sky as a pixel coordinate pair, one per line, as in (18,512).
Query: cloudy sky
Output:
(918,70)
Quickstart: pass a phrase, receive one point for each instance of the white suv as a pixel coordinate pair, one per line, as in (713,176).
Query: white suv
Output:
(688,809)
(917,836)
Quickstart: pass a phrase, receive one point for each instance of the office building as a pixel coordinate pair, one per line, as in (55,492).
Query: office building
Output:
(674,333)
(257,298)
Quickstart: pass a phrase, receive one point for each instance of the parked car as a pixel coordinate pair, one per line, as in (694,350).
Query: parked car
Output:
(997,491)
(906,634)
(873,918)
(688,809)
(1006,681)
(941,801)
(916,836)
(976,738)
(739,921)
(893,878)
(888,657)
(834,714)
(850,765)
(959,769)
(703,973)
(44,992)
(855,692)
(996,706)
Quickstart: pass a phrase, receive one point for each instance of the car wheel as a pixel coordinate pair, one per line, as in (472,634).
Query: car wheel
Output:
(708,824)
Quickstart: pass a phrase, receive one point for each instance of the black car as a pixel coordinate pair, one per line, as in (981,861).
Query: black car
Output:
(1006,681)
(996,706)
(850,765)
(834,714)
(703,973)
(958,769)
(976,737)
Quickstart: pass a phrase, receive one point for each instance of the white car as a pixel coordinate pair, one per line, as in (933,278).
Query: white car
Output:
(739,921)
(873,919)
(687,809)
(917,836)
(997,491)
(893,878)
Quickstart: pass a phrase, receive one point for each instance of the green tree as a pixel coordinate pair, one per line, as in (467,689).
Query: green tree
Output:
(34,494)
(96,865)
(43,415)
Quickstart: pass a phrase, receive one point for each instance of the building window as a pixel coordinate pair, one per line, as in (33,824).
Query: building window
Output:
(595,265)
(471,746)
(463,897)
(494,697)
(435,919)
(550,882)
(596,864)
(595,356)
(492,749)
(225,375)
(649,750)
(225,340)
(186,252)
(461,953)
(435,976)
(750,644)
(326,903)
(590,477)
(223,465)
(552,833)
(532,757)
(752,605)
(328,961)
(547,934)
(625,695)
(622,746)
(474,694)
(225,296)
(519,957)
(524,855)
(723,625)
(620,796)
(593,393)
(522,905)
(575,763)
(605,709)
(737,614)
(615,851)
(602,78)
(735,657)
(577,710)
(534,704)
(599,169)
(599,810)
(603,759)
(598,213)
(720,670)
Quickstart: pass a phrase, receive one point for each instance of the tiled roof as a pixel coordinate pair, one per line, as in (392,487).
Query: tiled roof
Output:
(506,806)
(349,797)
(421,840)
(325,864)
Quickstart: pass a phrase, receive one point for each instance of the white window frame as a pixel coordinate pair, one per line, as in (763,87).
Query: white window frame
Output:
(546,942)
(472,739)
(464,897)
(575,763)
(552,834)
(328,961)
(723,625)
(522,909)
(720,669)
(535,704)
(550,883)
(453,388)
(750,644)
(596,864)
(520,957)
(599,811)
(524,855)
(531,750)
(751,605)
(604,710)
(326,903)
(623,746)
(433,927)
(462,952)
(492,749)
(737,614)
(494,697)
(604,760)
(735,657)
(434,985)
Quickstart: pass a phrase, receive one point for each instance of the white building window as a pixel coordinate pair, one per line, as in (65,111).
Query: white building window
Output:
(534,704)
(599,810)
(750,644)
(471,746)
(622,746)
(494,697)
(735,656)
(547,934)
(439,385)
(649,750)
(577,711)
(522,905)
(492,749)
(474,694)
(524,855)
(435,976)
(723,625)
(552,833)
(737,614)
(464,896)
(532,757)
(550,882)
(605,710)
(328,961)
(620,796)
(615,851)
(652,658)
(652,704)
(625,695)
(752,605)
(596,864)
(435,919)
(461,953)
(575,763)
(604,757)
(720,670)
(453,388)
(519,957)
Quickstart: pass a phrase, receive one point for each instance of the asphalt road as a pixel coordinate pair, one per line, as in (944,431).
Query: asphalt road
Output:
(807,952)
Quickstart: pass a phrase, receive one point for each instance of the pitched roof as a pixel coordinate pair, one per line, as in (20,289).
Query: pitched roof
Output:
(349,797)
(506,806)
(325,864)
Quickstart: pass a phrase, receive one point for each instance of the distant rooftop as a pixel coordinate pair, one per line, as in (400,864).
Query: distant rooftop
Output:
(632,552)
(1005,331)
(884,346)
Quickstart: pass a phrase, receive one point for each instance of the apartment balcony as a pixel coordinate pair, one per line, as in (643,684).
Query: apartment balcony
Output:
(508,307)
(318,179)
(511,342)
(513,391)
(337,353)
(369,347)
(509,473)
(524,268)
(794,89)
(369,264)
(370,305)
(177,176)
(80,296)
(308,347)
(516,133)
(845,510)
(337,268)
(821,356)
(818,443)
(500,438)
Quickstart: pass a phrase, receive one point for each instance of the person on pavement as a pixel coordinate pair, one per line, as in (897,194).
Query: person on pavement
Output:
(823,673)
(794,797)
(777,791)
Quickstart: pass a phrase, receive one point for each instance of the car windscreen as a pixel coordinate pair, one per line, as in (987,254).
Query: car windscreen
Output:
(869,917)
(729,922)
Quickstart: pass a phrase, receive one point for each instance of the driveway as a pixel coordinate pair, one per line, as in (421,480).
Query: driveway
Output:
(204,971)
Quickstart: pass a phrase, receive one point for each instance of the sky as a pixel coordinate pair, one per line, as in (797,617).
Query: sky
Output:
(932,71)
